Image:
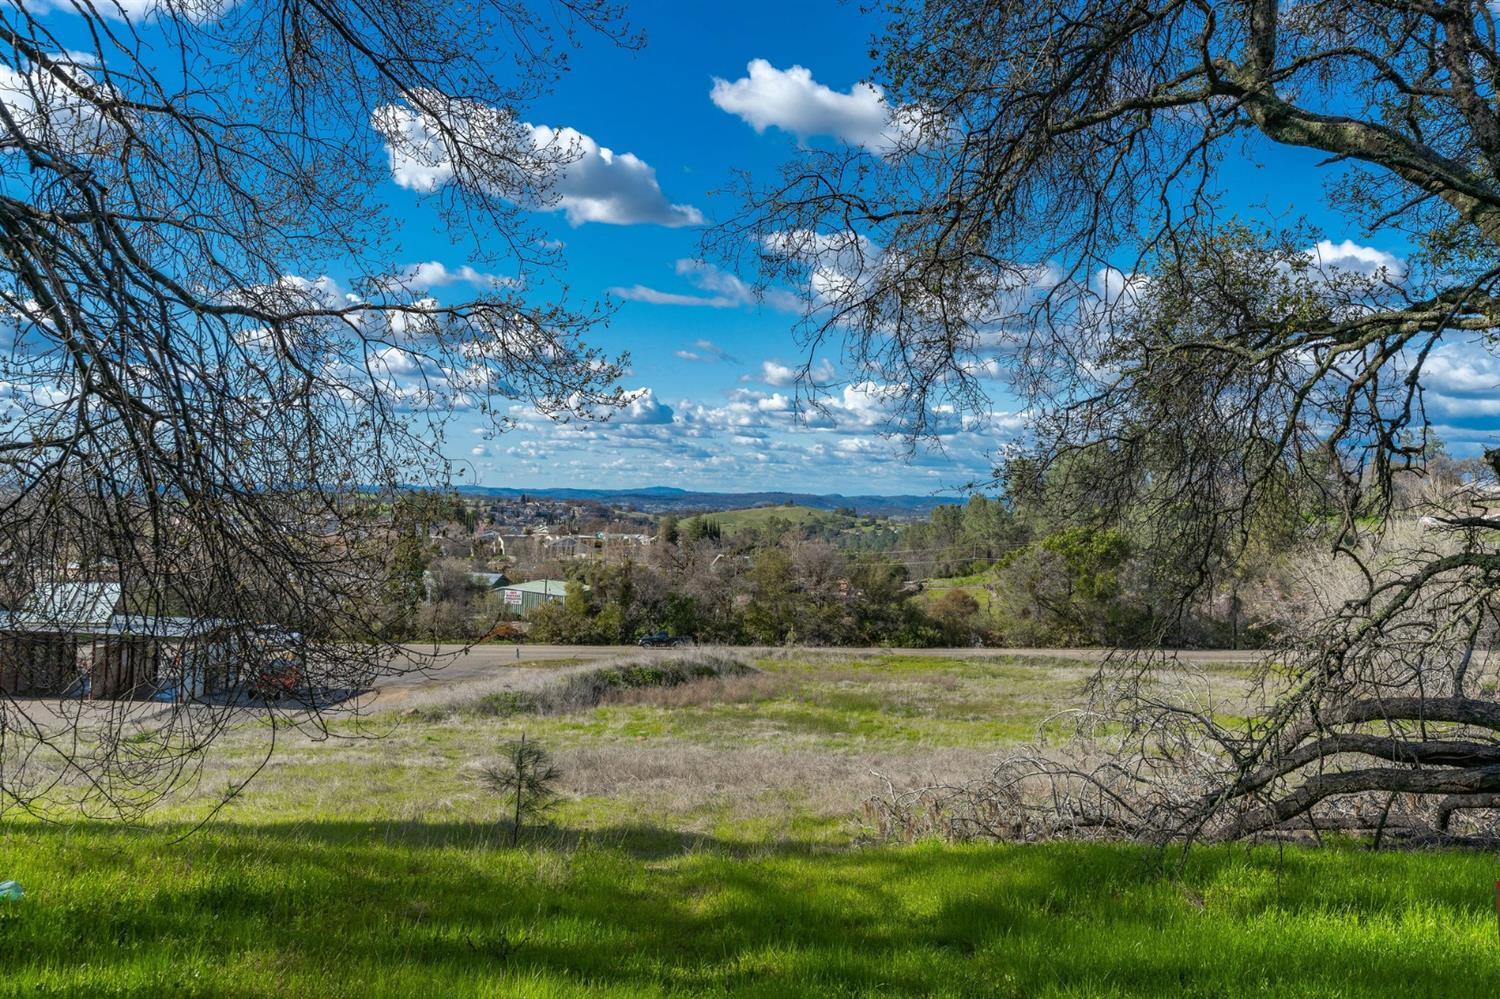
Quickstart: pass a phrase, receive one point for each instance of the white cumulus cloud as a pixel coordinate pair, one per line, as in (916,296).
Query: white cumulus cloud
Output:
(644,409)
(436,274)
(192,11)
(1462,369)
(776,373)
(600,185)
(706,351)
(773,372)
(1348,255)
(791,100)
(560,169)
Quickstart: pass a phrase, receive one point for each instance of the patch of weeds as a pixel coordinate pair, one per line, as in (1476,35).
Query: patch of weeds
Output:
(594,687)
(501,704)
(590,688)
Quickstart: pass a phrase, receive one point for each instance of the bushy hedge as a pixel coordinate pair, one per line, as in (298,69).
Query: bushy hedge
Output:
(577,691)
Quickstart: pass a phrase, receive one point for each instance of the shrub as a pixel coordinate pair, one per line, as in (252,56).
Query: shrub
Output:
(501,704)
(588,688)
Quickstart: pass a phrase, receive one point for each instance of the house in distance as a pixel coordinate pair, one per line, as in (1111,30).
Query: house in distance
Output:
(82,639)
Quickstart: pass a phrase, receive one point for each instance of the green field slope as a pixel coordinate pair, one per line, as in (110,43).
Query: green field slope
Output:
(354,909)
(711,841)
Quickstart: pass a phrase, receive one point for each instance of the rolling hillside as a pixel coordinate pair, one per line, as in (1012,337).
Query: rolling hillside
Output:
(734,521)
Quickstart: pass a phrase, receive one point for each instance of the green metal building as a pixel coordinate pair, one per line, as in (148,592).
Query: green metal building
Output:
(525,597)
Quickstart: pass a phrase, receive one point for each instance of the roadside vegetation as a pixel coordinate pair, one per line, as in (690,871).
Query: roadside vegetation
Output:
(1210,428)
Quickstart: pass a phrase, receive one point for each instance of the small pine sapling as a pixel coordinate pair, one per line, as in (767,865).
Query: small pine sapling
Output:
(526,776)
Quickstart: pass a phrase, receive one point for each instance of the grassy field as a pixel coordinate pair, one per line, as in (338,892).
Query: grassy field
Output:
(733,521)
(975,585)
(355,909)
(709,844)
(789,751)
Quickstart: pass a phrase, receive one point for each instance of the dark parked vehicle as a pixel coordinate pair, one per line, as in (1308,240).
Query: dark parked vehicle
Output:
(662,640)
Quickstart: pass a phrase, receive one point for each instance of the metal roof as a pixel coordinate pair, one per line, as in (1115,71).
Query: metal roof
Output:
(74,608)
(137,626)
(546,587)
(63,606)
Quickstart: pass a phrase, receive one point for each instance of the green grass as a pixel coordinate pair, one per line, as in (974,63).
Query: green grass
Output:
(357,909)
(975,585)
(733,521)
(709,843)
(972,581)
(792,756)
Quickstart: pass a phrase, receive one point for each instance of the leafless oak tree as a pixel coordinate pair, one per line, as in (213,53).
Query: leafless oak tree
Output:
(1051,204)
(189,412)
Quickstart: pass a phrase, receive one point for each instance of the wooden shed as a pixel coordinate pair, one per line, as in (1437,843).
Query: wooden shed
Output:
(77,639)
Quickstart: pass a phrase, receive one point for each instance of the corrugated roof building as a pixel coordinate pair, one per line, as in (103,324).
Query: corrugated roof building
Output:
(84,639)
(525,597)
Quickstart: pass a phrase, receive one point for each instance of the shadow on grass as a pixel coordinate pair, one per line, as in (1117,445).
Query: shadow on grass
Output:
(643,842)
(450,908)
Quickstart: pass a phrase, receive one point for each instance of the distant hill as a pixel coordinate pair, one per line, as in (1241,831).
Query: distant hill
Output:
(666,499)
(734,521)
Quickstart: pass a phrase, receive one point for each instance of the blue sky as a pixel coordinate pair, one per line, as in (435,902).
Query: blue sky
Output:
(719,413)
(724,87)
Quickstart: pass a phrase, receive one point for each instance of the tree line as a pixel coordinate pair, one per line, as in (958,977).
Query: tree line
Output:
(1044,562)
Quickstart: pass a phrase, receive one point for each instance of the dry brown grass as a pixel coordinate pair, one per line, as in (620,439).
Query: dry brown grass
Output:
(746,689)
(754,782)
(788,752)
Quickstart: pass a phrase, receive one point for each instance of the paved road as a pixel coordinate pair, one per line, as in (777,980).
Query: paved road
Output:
(455,664)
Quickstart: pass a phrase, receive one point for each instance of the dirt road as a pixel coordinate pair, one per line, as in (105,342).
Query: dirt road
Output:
(530,665)
(425,670)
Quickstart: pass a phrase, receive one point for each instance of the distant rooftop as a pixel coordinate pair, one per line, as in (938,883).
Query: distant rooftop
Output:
(97,608)
(69,605)
(545,587)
